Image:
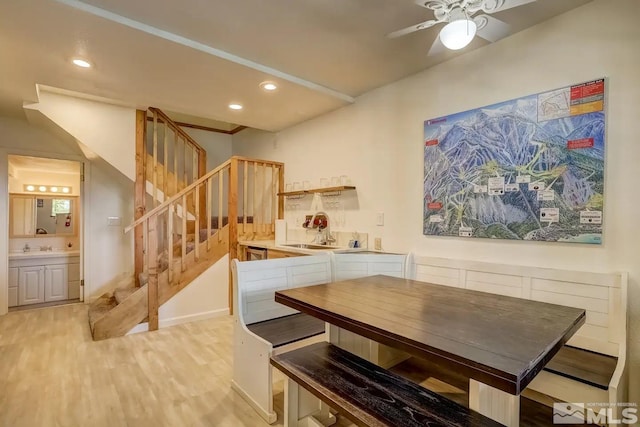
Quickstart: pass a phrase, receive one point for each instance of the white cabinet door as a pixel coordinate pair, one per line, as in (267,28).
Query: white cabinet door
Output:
(55,282)
(30,285)
(13,286)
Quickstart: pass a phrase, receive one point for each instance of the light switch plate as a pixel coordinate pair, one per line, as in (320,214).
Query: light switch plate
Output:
(377,243)
(113,220)
(380,218)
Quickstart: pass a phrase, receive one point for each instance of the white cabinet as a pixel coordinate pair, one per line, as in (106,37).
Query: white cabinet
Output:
(34,280)
(30,285)
(13,286)
(55,282)
(73,275)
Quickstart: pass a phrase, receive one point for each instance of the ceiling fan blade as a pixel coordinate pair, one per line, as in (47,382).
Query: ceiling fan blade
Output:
(492,6)
(411,29)
(437,47)
(490,28)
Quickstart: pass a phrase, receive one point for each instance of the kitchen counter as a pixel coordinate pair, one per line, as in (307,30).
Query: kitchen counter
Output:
(271,244)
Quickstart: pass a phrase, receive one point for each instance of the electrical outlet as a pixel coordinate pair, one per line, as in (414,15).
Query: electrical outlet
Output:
(377,243)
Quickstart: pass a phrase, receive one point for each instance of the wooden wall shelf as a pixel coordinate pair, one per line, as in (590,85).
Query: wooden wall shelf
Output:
(302,193)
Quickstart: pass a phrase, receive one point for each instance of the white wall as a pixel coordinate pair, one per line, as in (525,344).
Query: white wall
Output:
(217,145)
(107,252)
(378,142)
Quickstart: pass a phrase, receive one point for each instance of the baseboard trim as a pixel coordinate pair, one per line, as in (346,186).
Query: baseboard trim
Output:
(269,416)
(172,321)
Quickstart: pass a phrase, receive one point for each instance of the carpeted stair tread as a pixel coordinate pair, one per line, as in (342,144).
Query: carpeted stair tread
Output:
(99,308)
(122,294)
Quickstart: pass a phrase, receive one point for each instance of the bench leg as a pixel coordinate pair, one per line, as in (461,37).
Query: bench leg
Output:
(493,403)
(303,409)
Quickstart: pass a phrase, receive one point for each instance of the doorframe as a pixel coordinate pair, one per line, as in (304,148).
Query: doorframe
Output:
(4,213)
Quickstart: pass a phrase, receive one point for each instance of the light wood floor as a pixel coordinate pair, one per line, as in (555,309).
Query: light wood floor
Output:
(53,374)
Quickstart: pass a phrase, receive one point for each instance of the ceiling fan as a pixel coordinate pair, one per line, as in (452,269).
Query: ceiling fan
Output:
(462,26)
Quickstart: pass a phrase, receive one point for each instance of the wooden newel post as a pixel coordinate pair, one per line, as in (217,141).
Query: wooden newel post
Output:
(232,212)
(152,285)
(281,190)
(139,192)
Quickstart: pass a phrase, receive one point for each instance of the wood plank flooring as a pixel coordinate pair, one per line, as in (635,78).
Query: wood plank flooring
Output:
(53,374)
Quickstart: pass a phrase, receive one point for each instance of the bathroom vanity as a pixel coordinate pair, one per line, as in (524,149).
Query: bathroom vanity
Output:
(43,276)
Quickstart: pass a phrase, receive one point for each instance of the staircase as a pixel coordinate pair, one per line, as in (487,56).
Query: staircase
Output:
(193,220)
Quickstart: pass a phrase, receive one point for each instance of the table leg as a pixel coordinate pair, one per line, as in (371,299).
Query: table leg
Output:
(303,409)
(495,404)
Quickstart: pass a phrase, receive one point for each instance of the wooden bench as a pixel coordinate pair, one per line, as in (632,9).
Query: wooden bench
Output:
(592,366)
(365,393)
(263,327)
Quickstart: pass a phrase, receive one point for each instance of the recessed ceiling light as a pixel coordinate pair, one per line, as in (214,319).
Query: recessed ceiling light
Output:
(235,106)
(82,63)
(30,188)
(42,188)
(54,189)
(268,86)
(65,189)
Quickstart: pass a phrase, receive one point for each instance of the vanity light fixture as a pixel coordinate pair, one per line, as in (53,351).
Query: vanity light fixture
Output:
(235,106)
(268,86)
(81,63)
(30,188)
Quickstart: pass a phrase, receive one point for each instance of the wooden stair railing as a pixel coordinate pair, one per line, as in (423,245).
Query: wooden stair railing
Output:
(239,196)
(167,162)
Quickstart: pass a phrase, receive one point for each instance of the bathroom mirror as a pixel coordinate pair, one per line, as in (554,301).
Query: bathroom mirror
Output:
(42,216)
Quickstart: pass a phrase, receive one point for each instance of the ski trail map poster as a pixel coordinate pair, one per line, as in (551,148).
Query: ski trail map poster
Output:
(527,169)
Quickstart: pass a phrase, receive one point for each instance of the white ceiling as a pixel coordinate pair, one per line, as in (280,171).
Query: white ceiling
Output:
(322,53)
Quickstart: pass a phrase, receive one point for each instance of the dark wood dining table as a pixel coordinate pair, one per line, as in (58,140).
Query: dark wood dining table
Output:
(501,343)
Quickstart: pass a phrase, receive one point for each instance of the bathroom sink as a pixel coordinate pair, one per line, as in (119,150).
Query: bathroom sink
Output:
(309,246)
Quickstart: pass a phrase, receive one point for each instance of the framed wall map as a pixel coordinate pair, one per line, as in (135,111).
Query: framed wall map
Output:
(527,169)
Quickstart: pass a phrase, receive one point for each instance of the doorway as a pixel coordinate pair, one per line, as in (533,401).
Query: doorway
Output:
(45,232)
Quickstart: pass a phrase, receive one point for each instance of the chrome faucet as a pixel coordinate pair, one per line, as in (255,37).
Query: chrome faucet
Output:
(26,248)
(324,233)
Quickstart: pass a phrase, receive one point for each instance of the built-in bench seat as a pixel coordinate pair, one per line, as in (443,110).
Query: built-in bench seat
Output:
(365,393)
(586,366)
(263,327)
(591,367)
(288,329)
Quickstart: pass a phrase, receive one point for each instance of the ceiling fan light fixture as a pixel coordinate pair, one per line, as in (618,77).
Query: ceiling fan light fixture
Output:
(458,34)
